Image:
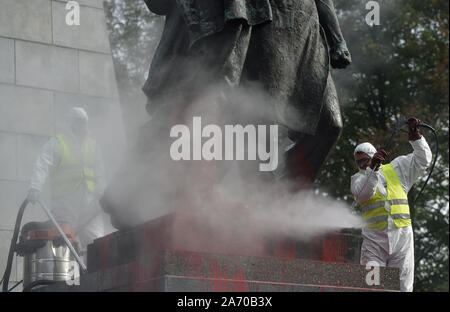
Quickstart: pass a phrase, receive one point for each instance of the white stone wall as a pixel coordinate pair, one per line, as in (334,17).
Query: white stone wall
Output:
(46,67)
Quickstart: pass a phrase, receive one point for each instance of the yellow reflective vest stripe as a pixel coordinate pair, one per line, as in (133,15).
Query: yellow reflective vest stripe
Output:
(74,170)
(376,210)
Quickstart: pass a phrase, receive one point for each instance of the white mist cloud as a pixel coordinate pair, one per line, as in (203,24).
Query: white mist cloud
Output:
(300,215)
(155,184)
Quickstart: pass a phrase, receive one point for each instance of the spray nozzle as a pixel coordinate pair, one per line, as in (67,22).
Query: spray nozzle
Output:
(404,122)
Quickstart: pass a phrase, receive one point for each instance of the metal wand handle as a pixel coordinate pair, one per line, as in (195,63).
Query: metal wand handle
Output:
(66,240)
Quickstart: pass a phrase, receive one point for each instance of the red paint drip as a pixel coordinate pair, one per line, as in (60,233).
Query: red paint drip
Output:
(193,263)
(334,250)
(285,249)
(222,281)
(220,275)
(104,249)
(240,285)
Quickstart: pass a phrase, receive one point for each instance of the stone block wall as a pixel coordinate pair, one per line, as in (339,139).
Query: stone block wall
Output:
(46,67)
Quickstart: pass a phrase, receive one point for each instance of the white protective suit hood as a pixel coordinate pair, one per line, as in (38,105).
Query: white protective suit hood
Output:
(78,123)
(78,113)
(367,148)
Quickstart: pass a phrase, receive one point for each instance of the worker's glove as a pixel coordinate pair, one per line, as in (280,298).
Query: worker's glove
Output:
(340,56)
(414,133)
(377,159)
(33,195)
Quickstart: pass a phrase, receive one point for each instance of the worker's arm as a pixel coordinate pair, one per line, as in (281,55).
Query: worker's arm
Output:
(412,166)
(364,184)
(45,163)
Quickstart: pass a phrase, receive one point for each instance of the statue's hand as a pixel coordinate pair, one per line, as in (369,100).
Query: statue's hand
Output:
(340,56)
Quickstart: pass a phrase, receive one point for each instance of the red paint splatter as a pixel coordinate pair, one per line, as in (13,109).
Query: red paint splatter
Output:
(240,284)
(334,249)
(223,281)
(285,249)
(220,275)
(104,251)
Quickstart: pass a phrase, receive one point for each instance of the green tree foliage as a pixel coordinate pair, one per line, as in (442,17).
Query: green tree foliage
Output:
(134,35)
(400,69)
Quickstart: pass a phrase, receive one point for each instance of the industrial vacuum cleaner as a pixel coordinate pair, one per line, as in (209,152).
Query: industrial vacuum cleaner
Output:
(49,251)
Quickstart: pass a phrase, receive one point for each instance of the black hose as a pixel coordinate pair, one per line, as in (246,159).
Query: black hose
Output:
(12,247)
(30,286)
(421,124)
(400,125)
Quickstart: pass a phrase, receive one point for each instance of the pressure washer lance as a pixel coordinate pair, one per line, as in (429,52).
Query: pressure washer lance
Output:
(66,240)
(401,124)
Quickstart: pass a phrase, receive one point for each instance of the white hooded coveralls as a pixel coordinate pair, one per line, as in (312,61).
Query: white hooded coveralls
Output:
(78,207)
(392,247)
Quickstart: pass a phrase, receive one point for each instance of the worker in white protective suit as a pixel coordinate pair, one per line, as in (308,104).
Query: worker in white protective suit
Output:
(73,164)
(382,190)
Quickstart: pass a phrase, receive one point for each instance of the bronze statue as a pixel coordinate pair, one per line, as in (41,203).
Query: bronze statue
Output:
(210,50)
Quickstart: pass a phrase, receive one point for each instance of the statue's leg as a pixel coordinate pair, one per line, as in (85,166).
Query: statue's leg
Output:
(301,156)
(288,60)
(305,159)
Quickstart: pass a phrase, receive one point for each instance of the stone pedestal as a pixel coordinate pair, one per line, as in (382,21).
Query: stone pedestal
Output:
(196,232)
(183,252)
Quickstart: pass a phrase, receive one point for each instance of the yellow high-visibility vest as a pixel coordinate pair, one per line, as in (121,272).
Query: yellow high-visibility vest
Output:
(375,211)
(73,172)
